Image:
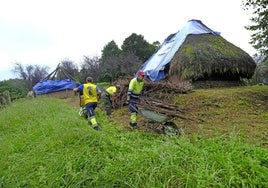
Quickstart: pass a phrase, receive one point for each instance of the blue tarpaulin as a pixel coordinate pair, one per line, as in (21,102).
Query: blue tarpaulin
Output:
(155,65)
(50,86)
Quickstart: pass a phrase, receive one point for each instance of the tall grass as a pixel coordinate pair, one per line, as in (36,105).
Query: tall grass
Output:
(44,143)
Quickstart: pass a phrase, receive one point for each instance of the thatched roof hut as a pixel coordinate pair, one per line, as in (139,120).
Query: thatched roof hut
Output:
(210,57)
(197,53)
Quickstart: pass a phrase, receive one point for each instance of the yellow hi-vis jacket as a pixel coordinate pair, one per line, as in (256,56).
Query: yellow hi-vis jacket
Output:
(135,87)
(90,92)
(111,90)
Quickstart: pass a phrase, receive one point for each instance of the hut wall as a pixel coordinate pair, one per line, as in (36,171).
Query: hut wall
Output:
(216,84)
(62,94)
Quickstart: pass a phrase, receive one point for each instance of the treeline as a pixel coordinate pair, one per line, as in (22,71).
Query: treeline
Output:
(113,63)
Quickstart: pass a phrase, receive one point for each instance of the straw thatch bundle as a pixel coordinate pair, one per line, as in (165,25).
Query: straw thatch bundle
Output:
(210,57)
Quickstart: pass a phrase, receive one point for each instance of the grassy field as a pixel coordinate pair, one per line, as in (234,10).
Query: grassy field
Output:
(44,143)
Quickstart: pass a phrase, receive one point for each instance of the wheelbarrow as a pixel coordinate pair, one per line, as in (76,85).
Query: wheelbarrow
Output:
(166,125)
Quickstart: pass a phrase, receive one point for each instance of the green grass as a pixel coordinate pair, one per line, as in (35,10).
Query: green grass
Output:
(243,110)
(44,143)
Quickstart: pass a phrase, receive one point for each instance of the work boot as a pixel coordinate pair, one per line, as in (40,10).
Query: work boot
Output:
(133,125)
(96,127)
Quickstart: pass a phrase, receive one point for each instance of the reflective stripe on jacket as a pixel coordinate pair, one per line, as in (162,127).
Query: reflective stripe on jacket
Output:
(135,88)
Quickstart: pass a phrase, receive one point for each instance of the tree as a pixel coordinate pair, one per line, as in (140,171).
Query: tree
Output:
(259,39)
(261,71)
(30,73)
(110,62)
(116,62)
(110,49)
(90,67)
(111,68)
(139,46)
(130,64)
(156,45)
(70,67)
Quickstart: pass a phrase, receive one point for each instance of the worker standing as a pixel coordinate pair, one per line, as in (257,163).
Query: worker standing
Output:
(133,96)
(90,94)
(107,97)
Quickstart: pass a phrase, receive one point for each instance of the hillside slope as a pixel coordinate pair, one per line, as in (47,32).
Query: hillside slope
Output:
(210,112)
(45,143)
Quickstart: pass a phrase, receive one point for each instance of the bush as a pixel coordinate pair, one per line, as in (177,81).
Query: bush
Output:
(17,88)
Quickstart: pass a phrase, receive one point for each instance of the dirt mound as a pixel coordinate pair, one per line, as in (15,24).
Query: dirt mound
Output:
(235,111)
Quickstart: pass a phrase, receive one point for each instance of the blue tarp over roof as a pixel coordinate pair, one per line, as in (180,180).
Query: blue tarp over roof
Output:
(50,86)
(154,66)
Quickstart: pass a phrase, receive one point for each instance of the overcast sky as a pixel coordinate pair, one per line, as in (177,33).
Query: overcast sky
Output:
(45,32)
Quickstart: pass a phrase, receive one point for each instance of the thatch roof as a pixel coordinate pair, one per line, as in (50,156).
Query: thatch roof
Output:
(210,57)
